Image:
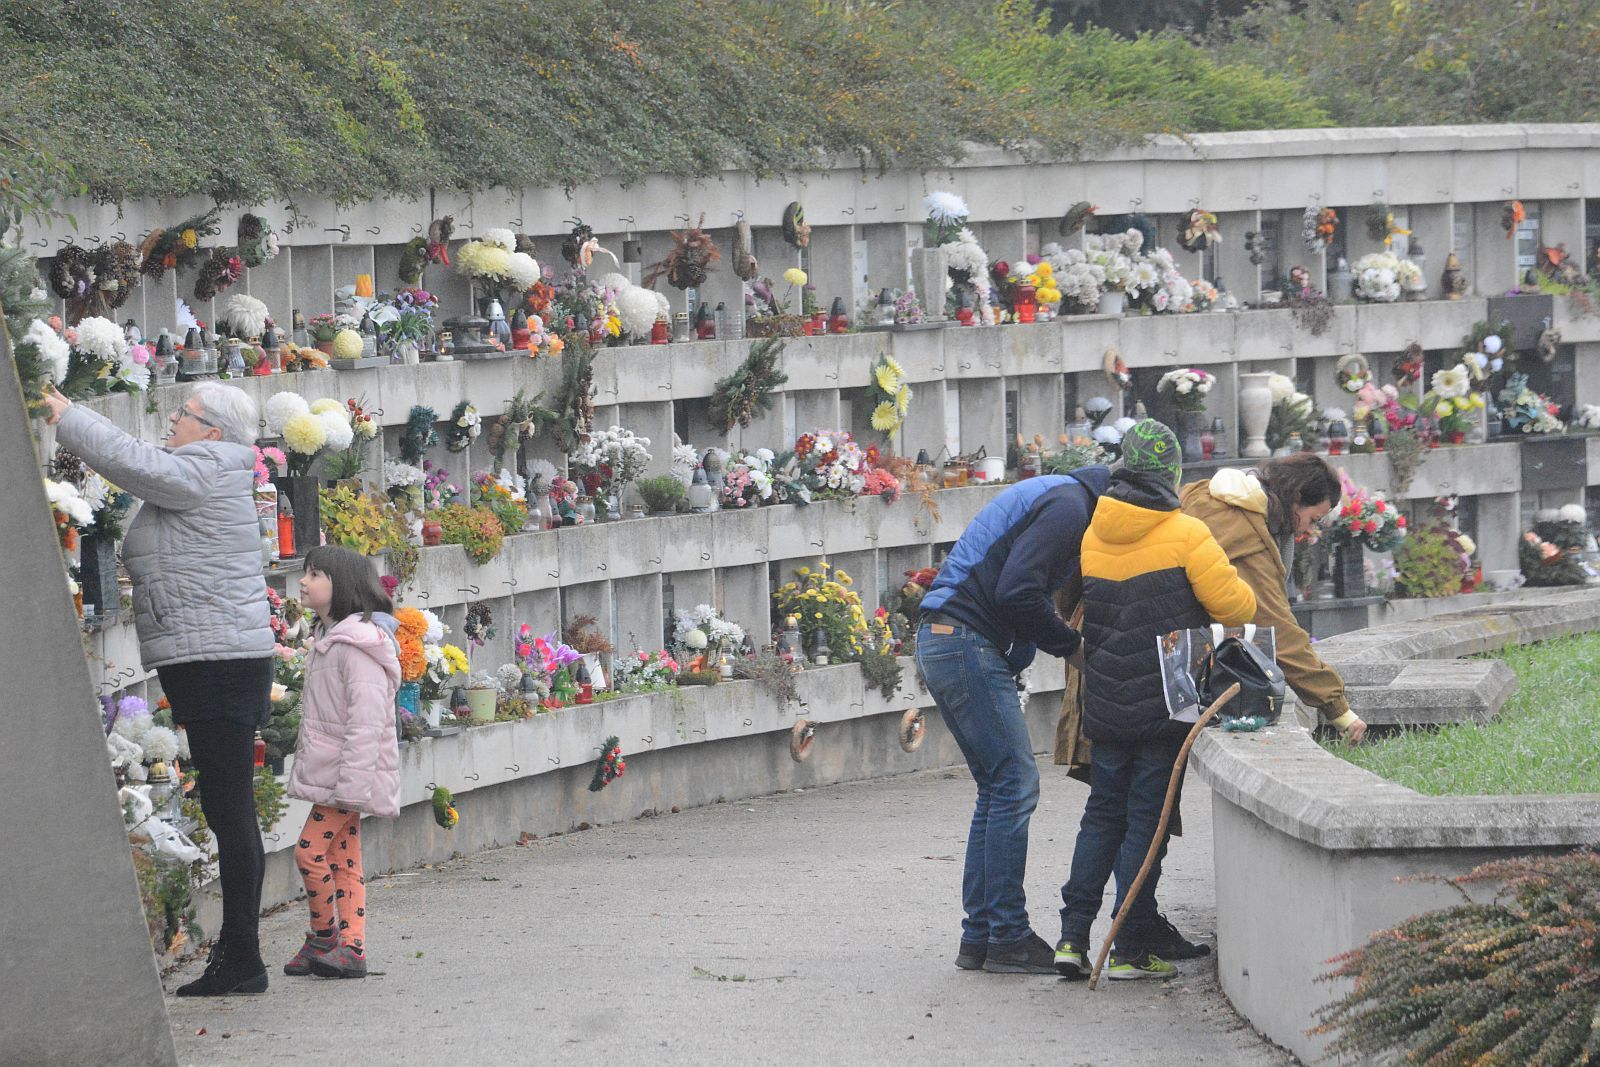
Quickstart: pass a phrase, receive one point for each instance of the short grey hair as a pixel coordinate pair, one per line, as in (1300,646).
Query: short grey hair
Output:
(231,409)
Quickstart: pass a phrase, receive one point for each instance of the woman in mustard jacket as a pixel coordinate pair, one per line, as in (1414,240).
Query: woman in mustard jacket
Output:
(1256,517)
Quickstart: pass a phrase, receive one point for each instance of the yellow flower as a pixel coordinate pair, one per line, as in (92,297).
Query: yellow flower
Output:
(887,379)
(1477,401)
(1444,408)
(794,276)
(885,419)
(305,433)
(189,238)
(327,403)
(1044,270)
(902,399)
(347,345)
(819,614)
(614,326)
(803,571)
(455,659)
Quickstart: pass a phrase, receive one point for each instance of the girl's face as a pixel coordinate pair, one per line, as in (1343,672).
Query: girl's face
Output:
(316,591)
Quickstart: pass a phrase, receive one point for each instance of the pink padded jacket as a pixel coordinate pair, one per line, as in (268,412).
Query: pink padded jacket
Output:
(347,755)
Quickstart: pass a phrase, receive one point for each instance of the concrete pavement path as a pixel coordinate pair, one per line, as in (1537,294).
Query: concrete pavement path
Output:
(808,928)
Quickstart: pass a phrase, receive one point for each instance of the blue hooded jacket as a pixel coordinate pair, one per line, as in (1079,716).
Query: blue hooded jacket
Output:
(1002,574)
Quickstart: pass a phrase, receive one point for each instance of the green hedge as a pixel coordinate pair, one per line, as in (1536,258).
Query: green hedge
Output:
(254,100)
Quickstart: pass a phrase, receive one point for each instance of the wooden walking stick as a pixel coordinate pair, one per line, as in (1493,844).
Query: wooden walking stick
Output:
(1161,828)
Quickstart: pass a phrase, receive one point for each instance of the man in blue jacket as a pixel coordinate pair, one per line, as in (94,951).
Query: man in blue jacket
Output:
(990,608)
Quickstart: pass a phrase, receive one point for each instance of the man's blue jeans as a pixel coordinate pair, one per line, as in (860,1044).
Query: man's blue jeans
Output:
(977,696)
(1128,782)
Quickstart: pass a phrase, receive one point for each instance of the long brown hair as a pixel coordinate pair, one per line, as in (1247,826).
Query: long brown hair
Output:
(1302,480)
(356,587)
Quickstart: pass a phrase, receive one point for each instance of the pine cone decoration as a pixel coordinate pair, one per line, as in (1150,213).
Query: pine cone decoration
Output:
(72,272)
(795,229)
(572,244)
(689,261)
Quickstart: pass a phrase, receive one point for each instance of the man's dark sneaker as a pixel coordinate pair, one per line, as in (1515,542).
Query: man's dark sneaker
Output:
(971,955)
(228,974)
(1072,959)
(1132,966)
(1031,955)
(342,962)
(1169,944)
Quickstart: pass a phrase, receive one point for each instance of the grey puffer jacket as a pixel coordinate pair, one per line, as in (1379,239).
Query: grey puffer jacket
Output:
(193,550)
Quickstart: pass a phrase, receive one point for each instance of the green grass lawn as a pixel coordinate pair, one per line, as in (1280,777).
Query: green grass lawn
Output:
(1545,740)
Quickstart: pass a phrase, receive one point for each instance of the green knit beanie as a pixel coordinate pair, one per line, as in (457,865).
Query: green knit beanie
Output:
(1151,447)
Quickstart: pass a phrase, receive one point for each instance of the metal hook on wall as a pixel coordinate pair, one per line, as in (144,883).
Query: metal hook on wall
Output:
(471,777)
(515,768)
(375,230)
(343,230)
(468,589)
(512,582)
(416,229)
(654,562)
(705,557)
(647,739)
(423,594)
(554,759)
(602,566)
(847,211)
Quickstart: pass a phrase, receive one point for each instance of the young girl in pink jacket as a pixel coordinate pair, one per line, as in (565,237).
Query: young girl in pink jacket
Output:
(347,761)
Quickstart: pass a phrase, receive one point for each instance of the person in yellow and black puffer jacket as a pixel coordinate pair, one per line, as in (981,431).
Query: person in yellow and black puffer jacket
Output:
(1148,569)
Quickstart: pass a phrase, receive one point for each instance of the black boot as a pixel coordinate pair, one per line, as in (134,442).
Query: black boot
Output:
(229,971)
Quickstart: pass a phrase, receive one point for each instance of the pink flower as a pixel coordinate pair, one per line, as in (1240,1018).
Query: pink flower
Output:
(140,354)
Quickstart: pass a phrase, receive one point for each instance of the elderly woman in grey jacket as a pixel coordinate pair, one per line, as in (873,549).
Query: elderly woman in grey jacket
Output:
(200,609)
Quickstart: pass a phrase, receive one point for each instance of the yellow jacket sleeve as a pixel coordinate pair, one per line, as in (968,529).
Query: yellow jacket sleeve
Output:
(1316,683)
(1217,585)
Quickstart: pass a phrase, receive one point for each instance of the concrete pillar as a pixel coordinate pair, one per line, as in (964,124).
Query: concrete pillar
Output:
(1430,226)
(1494,258)
(983,416)
(1499,530)
(745,600)
(655,422)
(833,272)
(1561,223)
(1040,406)
(817,409)
(889,248)
(924,424)
(91,982)
(1234,268)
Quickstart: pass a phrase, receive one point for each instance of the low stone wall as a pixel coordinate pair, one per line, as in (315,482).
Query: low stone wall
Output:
(1312,853)
(684,749)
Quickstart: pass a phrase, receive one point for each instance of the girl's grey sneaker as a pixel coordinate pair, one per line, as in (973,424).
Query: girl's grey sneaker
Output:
(314,948)
(342,962)
(971,955)
(1031,955)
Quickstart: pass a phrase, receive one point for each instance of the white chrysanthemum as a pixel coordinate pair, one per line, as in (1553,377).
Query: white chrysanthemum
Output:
(1107,435)
(103,339)
(1572,513)
(522,270)
(133,727)
(436,628)
(65,498)
(945,207)
(663,305)
(327,404)
(398,475)
(160,743)
(500,236)
(246,315)
(1282,387)
(637,310)
(281,407)
(337,428)
(542,468)
(55,352)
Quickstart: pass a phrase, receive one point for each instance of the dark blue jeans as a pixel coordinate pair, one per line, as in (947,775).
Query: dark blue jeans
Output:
(977,696)
(1128,782)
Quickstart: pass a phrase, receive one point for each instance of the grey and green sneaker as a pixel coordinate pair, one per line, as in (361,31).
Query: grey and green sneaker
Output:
(1135,966)
(1072,959)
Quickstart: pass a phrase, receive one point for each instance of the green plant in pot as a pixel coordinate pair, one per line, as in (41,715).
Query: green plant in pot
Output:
(282,730)
(662,495)
(476,529)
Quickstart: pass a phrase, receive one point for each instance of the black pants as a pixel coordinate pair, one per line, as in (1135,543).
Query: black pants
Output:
(220,704)
(223,752)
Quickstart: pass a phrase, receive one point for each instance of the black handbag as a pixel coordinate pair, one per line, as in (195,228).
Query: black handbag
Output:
(1260,680)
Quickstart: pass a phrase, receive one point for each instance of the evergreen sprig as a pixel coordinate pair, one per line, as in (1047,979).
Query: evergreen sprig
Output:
(1514,980)
(420,434)
(747,392)
(574,403)
(610,766)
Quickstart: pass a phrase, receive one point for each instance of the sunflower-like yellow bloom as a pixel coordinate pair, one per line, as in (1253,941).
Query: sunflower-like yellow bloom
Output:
(887,379)
(885,418)
(902,398)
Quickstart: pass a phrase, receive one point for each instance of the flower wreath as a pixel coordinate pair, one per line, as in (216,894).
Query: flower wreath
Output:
(464,427)
(419,434)
(479,624)
(444,808)
(1318,227)
(1353,374)
(611,765)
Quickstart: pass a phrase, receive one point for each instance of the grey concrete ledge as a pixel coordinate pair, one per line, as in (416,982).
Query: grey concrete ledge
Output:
(1284,778)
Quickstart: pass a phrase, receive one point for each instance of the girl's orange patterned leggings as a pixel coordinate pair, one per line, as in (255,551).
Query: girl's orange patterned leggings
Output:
(329,858)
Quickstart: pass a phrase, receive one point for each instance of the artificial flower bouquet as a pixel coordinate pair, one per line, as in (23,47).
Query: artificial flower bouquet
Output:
(494,265)
(832,465)
(643,672)
(309,430)
(1527,411)
(609,460)
(1293,412)
(702,633)
(1452,402)
(1188,386)
(1381,277)
(824,601)
(1366,519)
(1551,553)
